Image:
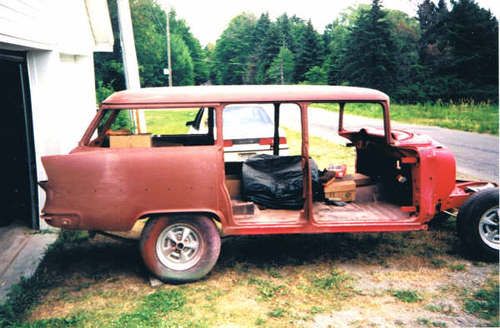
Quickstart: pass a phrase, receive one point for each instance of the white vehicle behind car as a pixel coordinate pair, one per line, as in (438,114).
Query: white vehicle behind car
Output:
(248,131)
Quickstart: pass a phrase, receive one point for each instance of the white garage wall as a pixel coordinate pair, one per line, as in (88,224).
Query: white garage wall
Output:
(63,103)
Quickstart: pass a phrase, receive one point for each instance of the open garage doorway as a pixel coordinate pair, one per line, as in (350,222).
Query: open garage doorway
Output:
(18,187)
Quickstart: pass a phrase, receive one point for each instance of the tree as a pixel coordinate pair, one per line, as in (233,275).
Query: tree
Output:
(409,74)
(198,55)
(335,40)
(316,75)
(282,68)
(150,42)
(369,58)
(458,51)
(233,51)
(473,46)
(189,60)
(310,51)
(182,64)
(284,28)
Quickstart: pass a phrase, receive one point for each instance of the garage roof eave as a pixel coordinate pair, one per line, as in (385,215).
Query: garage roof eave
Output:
(152,97)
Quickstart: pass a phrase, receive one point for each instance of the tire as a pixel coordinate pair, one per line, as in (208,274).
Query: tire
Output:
(179,249)
(477,224)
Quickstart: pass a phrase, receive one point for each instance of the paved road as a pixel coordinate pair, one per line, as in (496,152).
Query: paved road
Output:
(476,154)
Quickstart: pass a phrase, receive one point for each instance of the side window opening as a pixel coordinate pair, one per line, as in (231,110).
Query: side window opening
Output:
(163,128)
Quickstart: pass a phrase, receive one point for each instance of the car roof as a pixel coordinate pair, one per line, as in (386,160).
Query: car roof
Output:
(234,94)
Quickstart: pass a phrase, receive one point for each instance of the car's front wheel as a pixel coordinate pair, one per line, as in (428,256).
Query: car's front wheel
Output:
(478,224)
(180,249)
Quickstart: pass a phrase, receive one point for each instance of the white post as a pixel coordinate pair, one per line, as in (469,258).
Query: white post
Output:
(130,66)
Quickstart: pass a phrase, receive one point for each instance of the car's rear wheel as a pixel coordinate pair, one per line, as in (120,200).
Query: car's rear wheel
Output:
(180,249)
(478,224)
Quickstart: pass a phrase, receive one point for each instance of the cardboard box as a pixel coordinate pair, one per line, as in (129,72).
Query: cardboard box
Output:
(131,141)
(362,180)
(342,190)
(233,185)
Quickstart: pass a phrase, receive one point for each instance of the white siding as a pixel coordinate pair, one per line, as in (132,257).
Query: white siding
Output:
(24,23)
(68,26)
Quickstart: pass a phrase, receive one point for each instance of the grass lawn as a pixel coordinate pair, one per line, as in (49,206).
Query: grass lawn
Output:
(475,117)
(391,279)
(169,121)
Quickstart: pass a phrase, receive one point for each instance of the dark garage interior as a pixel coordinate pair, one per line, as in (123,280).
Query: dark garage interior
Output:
(19,190)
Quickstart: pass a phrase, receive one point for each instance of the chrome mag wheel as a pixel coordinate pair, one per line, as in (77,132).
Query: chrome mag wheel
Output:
(488,228)
(179,247)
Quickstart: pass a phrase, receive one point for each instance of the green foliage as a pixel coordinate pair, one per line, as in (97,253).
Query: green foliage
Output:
(182,64)
(407,296)
(316,75)
(189,60)
(282,68)
(267,41)
(429,323)
(75,320)
(334,280)
(233,63)
(444,54)
(458,51)
(266,288)
(153,307)
(369,58)
(123,121)
(103,91)
(485,302)
(276,312)
(310,51)
(260,322)
(457,267)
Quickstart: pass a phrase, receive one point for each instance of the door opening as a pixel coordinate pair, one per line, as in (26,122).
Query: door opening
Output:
(18,187)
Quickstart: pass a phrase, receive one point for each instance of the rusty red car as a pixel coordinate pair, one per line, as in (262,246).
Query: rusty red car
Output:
(190,197)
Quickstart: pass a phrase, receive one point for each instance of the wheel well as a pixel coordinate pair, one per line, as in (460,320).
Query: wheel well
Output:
(212,216)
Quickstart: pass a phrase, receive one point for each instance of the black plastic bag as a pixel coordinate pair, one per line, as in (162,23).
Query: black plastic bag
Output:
(276,181)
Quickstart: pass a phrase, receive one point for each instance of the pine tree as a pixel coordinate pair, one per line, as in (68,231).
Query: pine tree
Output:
(473,46)
(282,67)
(369,59)
(284,27)
(310,51)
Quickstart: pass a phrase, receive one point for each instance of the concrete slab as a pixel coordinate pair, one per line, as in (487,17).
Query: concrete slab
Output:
(22,250)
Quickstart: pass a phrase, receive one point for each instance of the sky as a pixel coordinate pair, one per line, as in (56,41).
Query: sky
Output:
(208,18)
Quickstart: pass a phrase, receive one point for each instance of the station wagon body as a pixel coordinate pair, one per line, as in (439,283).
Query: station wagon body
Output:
(183,179)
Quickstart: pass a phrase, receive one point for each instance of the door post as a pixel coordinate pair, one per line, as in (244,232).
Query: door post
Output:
(276,141)
(308,194)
